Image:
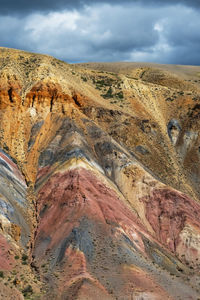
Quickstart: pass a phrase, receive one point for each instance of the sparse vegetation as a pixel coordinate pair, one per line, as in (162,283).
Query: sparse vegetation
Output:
(120,95)
(109,93)
(27,291)
(24,257)
(1,274)
(84,78)
(169,99)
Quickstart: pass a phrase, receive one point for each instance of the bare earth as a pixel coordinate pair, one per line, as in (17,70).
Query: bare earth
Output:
(99,179)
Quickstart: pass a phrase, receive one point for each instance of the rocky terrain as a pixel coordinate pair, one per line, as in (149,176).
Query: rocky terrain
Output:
(100,174)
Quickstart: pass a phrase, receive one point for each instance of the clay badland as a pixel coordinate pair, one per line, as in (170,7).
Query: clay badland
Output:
(100,174)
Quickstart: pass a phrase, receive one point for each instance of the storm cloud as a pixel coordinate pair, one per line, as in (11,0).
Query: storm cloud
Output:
(80,31)
(11,6)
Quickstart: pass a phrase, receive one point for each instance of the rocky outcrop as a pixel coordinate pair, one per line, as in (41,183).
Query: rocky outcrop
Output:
(99,190)
(171,214)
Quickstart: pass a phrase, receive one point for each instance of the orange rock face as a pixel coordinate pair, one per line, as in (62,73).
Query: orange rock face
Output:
(99,189)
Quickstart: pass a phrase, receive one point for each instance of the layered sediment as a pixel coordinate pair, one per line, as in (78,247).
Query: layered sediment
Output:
(99,190)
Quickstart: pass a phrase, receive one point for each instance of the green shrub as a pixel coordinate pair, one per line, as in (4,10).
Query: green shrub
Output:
(1,274)
(108,94)
(27,290)
(24,257)
(120,95)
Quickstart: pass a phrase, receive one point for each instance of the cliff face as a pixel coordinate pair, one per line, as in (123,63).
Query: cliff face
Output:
(100,174)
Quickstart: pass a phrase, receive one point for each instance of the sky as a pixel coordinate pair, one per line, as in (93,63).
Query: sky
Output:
(160,31)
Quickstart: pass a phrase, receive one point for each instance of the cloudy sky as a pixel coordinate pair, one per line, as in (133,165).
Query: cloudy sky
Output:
(162,31)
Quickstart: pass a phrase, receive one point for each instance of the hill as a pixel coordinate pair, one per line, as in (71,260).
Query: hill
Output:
(100,174)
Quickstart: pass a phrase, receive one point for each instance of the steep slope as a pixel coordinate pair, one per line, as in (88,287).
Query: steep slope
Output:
(99,180)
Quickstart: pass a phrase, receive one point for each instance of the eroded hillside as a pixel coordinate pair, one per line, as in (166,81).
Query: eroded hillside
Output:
(100,174)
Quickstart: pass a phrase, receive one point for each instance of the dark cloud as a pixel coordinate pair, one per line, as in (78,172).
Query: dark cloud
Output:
(87,35)
(182,34)
(23,6)
(189,3)
(99,31)
(8,7)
